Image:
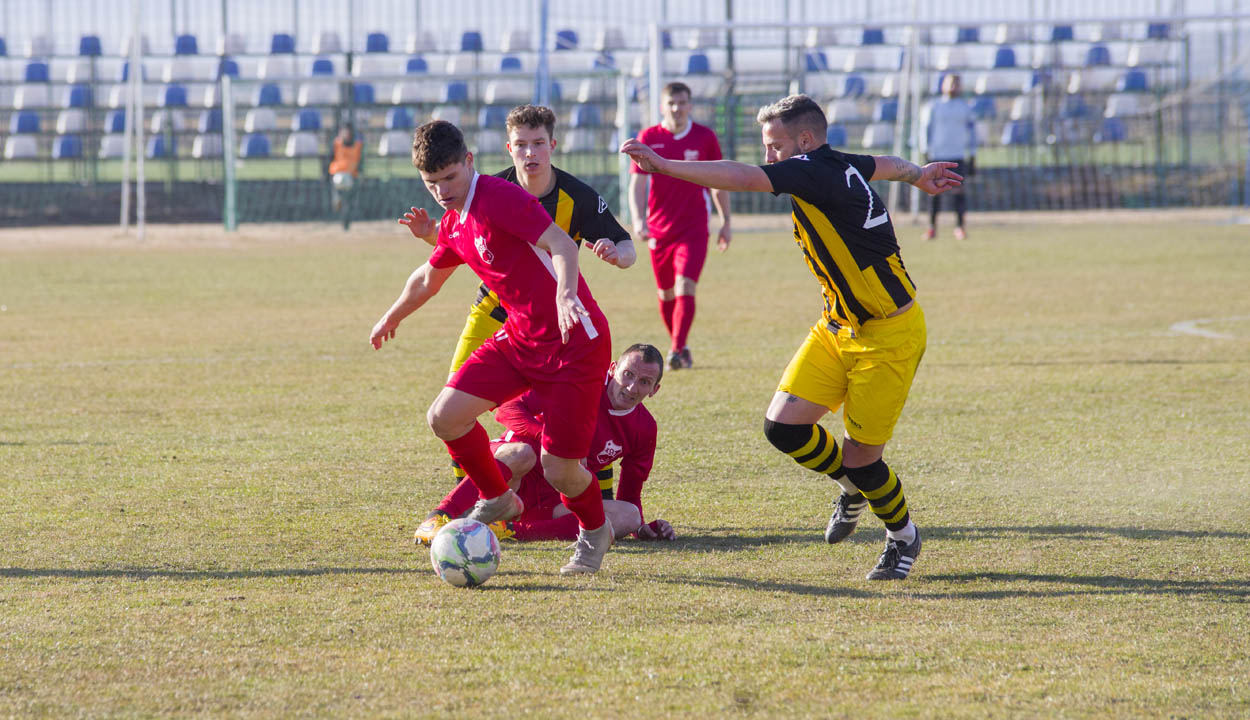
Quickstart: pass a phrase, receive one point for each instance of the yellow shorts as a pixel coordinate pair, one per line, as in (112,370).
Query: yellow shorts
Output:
(479,326)
(869,371)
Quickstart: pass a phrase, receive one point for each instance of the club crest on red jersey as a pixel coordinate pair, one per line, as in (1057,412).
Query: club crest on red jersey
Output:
(480,243)
(610,452)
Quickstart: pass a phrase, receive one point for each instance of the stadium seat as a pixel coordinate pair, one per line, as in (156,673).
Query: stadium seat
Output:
(1147,54)
(815,61)
(1004,57)
(4,49)
(592,90)
(254,145)
(398,119)
(1017,132)
(1074,107)
(78,96)
(984,109)
(492,117)
(821,37)
(509,63)
(416,64)
(885,111)
(462,64)
(302,144)
(362,94)
(470,41)
(20,147)
(1000,81)
(1097,79)
(455,92)
(112,146)
(115,121)
(603,61)
(260,120)
(421,41)
(307,119)
(968,35)
(36,72)
(125,74)
(24,122)
(318,92)
(578,140)
(450,113)
(232,44)
(1061,33)
(515,41)
(227,67)
(1112,130)
(159,148)
(176,70)
(67,146)
(206,146)
(408,93)
(1123,105)
(1158,31)
(1023,107)
(276,67)
(951,58)
(853,86)
(566,39)
(835,135)
(323,66)
(585,116)
(174,96)
(267,94)
(1133,81)
(281,44)
(491,141)
(186,45)
(395,142)
(608,39)
(879,135)
(71,121)
(872,36)
(144,47)
(698,64)
(844,110)
(1108,31)
(38,46)
(210,121)
(161,118)
(88,46)
(860,60)
(1097,55)
(327,43)
(377,42)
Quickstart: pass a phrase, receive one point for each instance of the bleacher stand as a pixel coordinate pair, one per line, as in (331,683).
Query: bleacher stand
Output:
(67,147)
(254,145)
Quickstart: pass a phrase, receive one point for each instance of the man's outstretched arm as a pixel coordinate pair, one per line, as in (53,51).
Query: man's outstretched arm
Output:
(934,178)
(718,174)
(423,284)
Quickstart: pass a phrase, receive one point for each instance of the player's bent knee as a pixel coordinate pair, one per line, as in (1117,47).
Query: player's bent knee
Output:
(684,286)
(786,437)
(565,474)
(624,516)
(666,295)
(519,457)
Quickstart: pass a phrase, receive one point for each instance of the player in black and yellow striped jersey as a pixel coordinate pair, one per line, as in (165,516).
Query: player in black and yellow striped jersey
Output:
(572,204)
(863,353)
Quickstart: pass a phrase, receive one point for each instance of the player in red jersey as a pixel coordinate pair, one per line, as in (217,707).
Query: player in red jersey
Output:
(625,431)
(555,343)
(671,215)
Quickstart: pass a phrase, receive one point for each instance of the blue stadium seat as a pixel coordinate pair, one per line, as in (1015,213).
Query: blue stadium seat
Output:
(227,67)
(255,145)
(308,119)
(1037,78)
(455,92)
(4,49)
(836,135)
(362,94)
(566,39)
(1074,107)
(1018,132)
(886,110)
(698,64)
(586,116)
(186,45)
(471,41)
(557,92)
(126,71)
(174,96)
(417,64)
(377,42)
(116,121)
(983,107)
(210,121)
(67,146)
(158,148)
(872,36)
(816,61)
(1158,31)
(968,35)
(1097,56)
(282,44)
(269,94)
(88,46)
(79,96)
(1112,130)
(666,39)
(1133,81)
(1004,57)
(1061,33)
(322,66)
(26,121)
(509,63)
(36,72)
(398,119)
(853,86)
(603,61)
(492,117)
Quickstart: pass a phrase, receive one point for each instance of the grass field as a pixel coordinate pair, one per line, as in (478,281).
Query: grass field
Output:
(210,481)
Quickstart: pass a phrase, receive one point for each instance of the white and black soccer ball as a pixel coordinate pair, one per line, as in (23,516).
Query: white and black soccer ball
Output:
(344,181)
(465,553)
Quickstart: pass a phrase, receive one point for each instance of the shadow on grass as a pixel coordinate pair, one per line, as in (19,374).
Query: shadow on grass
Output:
(1072,532)
(141,573)
(1074,585)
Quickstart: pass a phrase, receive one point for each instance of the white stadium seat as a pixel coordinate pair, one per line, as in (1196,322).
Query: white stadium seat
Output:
(327,42)
(20,147)
(1123,104)
(509,90)
(879,135)
(412,92)
(609,38)
(1023,107)
(580,140)
(515,41)
(1000,81)
(232,44)
(303,143)
(260,120)
(31,95)
(1148,53)
(276,67)
(395,142)
(318,92)
(206,146)
(161,117)
(450,113)
(377,65)
(111,145)
(420,41)
(845,110)
(73,120)
(491,141)
(1101,79)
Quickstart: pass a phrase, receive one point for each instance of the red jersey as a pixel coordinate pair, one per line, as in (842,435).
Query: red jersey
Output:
(626,436)
(677,209)
(495,235)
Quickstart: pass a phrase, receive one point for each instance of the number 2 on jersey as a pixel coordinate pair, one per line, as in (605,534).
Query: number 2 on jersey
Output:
(870,222)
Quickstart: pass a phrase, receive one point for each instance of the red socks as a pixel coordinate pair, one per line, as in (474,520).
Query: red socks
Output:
(472,452)
(666,312)
(683,317)
(588,506)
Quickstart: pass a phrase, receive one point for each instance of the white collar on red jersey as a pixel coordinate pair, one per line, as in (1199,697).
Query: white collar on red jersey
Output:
(684,133)
(468,199)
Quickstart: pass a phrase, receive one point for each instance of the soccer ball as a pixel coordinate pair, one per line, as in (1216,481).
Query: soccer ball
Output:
(465,553)
(343,181)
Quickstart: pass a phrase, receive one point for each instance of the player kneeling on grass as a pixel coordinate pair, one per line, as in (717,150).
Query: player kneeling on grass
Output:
(625,431)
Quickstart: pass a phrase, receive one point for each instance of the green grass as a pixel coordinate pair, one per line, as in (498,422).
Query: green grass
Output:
(210,481)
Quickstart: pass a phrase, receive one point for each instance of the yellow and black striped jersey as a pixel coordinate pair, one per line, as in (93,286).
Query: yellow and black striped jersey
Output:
(576,209)
(845,233)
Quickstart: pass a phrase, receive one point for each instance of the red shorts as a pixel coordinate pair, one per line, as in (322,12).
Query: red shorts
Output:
(568,388)
(683,256)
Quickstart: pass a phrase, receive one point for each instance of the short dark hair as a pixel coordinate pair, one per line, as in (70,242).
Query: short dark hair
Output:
(437,144)
(674,88)
(651,355)
(796,113)
(531,116)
